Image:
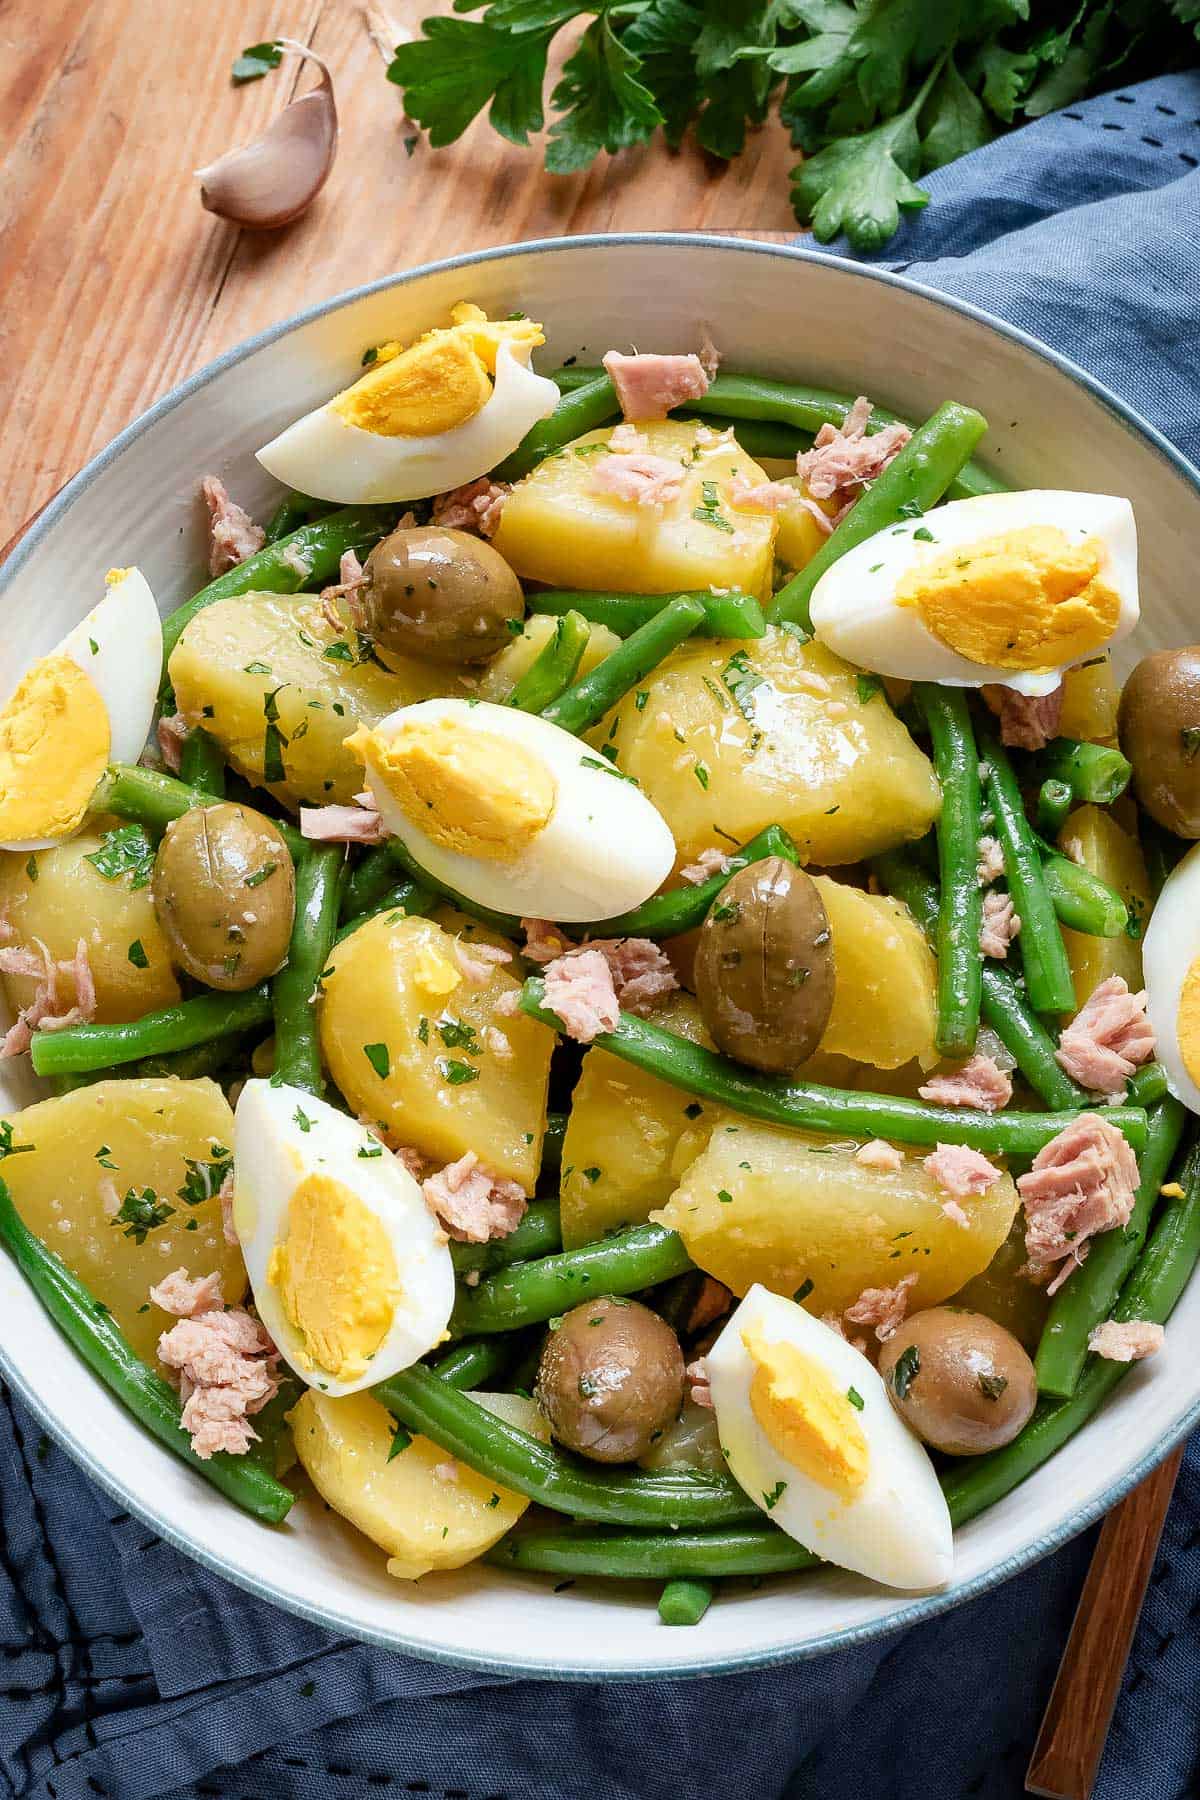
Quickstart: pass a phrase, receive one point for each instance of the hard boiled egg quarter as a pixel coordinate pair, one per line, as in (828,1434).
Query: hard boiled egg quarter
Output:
(423,419)
(351,1275)
(1008,589)
(88,703)
(512,811)
(1171,970)
(807,1429)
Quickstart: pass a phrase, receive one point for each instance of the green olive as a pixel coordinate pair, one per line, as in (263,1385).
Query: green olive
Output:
(610,1379)
(444,595)
(961,1381)
(225,891)
(1159,727)
(764,968)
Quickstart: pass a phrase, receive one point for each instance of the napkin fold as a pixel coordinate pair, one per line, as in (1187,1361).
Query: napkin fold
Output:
(127,1671)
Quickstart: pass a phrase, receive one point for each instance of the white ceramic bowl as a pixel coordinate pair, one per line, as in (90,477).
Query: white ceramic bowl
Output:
(776,311)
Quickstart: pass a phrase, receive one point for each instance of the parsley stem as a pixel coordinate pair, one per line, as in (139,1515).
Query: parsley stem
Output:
(80,1048)
(731,615)
(591,697)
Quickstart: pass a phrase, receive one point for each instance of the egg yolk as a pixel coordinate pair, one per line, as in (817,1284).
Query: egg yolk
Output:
(1027,599)
(438,382)
(1187,1021)
(54,745)
(474,792)
(336,1277)
(806,1418)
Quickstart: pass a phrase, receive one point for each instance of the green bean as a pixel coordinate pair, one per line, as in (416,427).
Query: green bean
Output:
(365,885)
(1091,771)
(731,615)
(1148,1086)
(1053,805)
(674,1556)
(960,909)
(473,1363)
(1044,959)
(1002,1005)
(154,800)
(553,668)
(190,1065)
(202,764)
(591,404)
(683,908)
(684,1602)
(505,923)
(914,481)
(407,897)
(527,1293)
(79,1048)
(91,1330)
(809,1106)
(311,553)
(504,1453)
(1150,1293)
(1087,1298)
(1080,899)
(552,1143)
(589,698)
(293,511)
(538,1234)
(294,988)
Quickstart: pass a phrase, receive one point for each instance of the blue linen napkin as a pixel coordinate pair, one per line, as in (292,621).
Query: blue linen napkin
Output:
(127,1671)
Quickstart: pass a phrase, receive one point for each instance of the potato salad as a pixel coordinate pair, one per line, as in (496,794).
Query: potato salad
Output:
(619,993)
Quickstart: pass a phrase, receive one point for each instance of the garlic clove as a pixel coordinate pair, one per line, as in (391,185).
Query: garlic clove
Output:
(271,181)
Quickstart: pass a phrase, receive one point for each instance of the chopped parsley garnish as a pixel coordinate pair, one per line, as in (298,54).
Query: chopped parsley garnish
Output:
(741,679)
(370,1149)
(692,1110)
(771,1500)
(701,774)
(338,651)
(855,1398)
(868,686)
(8,1148)
(31,868)
(992,1386)
(301,1118)
(726,912)
(369,355)
(137,954)
(256,61)
(257,668)
(423,1029)
(724,1196)
(597,762)
(457,1035)
(924,534)
(204,1179)
(908,1367)
(125,851)
(260,875)
(1189,739)
(592,1174)
(142,1213)
(274,742)
(640,699)
(401,1439)
(803,1291)
(910,509)
(379,1058)
(710,512)
(456,1073)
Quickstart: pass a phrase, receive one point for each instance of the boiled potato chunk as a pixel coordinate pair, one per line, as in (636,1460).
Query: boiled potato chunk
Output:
(798,536)
(784,1208)
(57,897)
(237,653)
(504,671)
(85,1152)
(1093,837)
(885,997)
(1090,698)
(728,738)
(423,1521)
(406,1038)
(558,527)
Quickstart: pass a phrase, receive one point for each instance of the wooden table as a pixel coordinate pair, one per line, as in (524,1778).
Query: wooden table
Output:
(115,284)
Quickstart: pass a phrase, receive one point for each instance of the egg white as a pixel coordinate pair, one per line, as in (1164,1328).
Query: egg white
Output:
(273,1152)
(1169,947)
(119,647)
(324,455)
(605,849)
(896,1528)
(853,606)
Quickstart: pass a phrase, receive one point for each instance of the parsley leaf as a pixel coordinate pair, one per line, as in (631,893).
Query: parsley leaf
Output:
(142,1213)
(860,184)
(125,851)
(604,105)
(256,61)
(459,65)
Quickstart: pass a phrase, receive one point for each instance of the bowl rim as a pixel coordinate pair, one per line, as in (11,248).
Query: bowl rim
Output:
(263,1588)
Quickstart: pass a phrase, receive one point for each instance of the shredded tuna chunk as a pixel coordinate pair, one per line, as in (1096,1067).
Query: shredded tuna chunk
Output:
(1000,924)
(879,1154)
(762,496)
(45,1011)
(882,1307)
(991,861)
(412,1159)
(1126,1340)
(477,962)
(709,862)
(1082,1182)
(981,1082)
(641,971)
(475,507)
(341,825)
(171,733)
(711,1303)
(508,1004)
(1109,1037)
(843,457)
(183,1298)
(579,990)
(627,440)
(351,576)
(638,476)
(446,1471)
(544,942)
(961,1171)
(955,1213)
(473,1204)
(225,1196)
(232,533)
(1027,721)
(227,1369)
(699,1389)
(495,1041)
(833,1321)
(648,386)
(710,356)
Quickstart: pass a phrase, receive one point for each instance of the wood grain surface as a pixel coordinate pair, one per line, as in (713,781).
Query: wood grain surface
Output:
(114,283)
